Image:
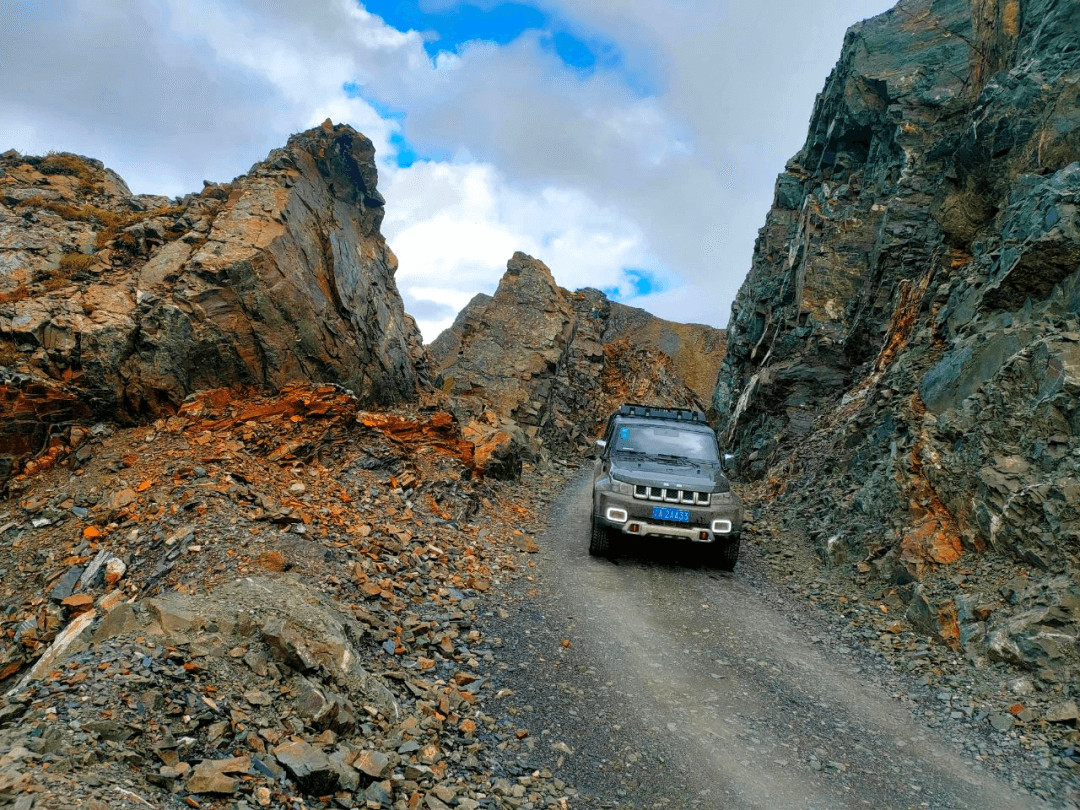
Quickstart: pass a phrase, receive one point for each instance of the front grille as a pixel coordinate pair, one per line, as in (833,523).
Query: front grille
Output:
(671,495)
(675,524)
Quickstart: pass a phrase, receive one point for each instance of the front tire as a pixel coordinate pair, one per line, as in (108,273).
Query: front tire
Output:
(728,553)
(599,539)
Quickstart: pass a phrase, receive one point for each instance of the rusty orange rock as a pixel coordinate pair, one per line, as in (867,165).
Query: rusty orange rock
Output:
(78,603)
(948,624)
(272,561)
(205,403)
(931,541)
(33,409)
(934,537)
(109,601)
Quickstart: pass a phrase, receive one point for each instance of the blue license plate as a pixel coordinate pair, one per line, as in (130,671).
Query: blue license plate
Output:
(666,513)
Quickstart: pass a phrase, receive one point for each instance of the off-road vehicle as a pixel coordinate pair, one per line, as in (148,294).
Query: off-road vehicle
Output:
(660,474)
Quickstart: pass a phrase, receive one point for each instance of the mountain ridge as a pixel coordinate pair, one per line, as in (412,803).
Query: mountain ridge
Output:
(118,307)
(557,363)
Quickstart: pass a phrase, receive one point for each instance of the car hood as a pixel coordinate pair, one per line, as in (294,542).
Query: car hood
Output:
(651,472)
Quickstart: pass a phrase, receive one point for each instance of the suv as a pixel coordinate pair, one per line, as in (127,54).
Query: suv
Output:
(660,474)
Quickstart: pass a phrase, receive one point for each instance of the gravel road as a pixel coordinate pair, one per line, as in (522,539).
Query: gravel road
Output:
(653,681)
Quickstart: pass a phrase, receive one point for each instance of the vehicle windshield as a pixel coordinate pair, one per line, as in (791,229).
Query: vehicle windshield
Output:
(659,440)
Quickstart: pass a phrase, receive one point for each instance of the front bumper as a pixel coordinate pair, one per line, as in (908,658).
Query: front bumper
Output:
(634,518)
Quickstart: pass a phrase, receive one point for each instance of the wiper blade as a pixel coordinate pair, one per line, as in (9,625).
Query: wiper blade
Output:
(674,459)
(630,452)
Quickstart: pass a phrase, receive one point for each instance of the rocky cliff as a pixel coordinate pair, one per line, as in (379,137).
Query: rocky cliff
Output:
(556,363)
(118,305)
(903,368)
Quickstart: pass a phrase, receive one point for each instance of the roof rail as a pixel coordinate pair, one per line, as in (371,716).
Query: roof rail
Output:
(675,414)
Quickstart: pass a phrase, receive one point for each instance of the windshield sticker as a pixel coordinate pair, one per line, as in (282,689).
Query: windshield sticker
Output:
(624,433)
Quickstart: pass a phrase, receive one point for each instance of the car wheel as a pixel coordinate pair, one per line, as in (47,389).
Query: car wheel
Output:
(728,553)
(599,539)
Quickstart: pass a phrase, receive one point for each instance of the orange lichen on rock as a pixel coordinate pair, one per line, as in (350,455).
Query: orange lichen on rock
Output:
(438,431)
(948,626)
(934,537)
(272,561)
(487,443)
(35,412)
(1011,18)
(211,401)
(775,486)
(904,318)
(78,603)
(225,409)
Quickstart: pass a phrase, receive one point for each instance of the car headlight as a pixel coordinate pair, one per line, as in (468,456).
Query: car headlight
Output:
(621,487)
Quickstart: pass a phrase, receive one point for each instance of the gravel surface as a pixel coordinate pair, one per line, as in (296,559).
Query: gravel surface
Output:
(264,603)
(219,593)
(657,681)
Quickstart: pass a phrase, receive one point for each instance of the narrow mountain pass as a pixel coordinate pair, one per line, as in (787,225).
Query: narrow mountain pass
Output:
(655,680)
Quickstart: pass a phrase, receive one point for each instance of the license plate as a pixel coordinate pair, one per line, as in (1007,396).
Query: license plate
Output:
(666,513)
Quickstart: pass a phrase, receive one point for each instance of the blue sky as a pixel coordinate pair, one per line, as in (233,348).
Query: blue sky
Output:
(632,146)
(447,28)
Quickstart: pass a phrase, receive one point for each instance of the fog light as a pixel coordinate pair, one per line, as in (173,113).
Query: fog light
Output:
(721,526)
(703,535)
(634,528)
(616,515)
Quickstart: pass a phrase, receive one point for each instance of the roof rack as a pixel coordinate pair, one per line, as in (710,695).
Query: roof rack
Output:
(675,414)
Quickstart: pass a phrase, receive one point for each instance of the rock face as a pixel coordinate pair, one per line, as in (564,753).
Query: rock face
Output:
(556,364)
(130,303)
(903,366)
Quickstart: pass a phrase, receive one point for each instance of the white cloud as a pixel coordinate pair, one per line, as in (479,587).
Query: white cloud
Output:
(665,163)
(684,304)
(458,224)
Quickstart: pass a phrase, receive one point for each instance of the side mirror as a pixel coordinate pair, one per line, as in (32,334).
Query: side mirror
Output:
(596,449)
(728,461)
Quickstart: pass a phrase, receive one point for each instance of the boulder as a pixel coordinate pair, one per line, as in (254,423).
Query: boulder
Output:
(1063,712)
(499,446)
(308,767)
(305,633)
(211,775)
(321,708)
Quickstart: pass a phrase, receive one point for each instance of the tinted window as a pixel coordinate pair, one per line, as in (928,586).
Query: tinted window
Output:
(669,441)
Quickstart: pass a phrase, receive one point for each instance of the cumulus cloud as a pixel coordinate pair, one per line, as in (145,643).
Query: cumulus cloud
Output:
(683,139)
(165,93)
(457,225)
(661,157)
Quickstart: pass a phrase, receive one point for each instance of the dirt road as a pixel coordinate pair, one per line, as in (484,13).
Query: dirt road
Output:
(661,682)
